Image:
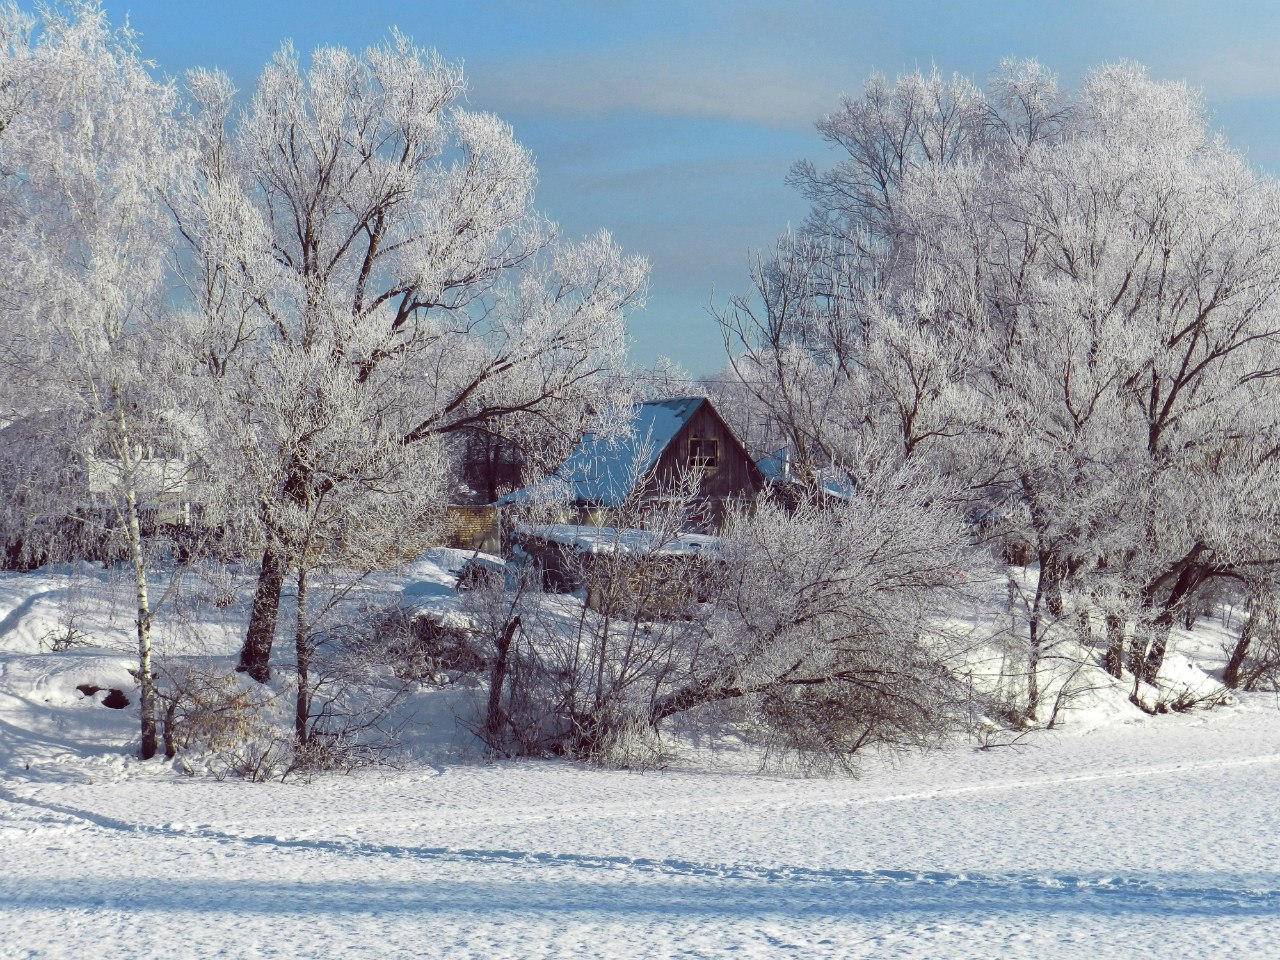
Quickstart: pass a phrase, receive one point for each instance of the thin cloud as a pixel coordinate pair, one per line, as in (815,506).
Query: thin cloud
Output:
(1250,72)
(770,94)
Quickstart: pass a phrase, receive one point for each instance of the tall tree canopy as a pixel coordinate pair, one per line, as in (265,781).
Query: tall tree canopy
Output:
(331,277)
(1070,300)
(370,277)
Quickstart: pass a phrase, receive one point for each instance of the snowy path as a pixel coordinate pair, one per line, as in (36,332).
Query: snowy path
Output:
(1108,844)
(1133,894)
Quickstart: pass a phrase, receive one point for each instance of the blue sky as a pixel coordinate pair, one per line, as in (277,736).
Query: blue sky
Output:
(673,124)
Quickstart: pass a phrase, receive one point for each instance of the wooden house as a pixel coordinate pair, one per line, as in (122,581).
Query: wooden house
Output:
(681,444)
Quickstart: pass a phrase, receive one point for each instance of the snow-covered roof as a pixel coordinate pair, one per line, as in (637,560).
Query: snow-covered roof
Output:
(831,481)
(776,465)
(602,470)
(586,539)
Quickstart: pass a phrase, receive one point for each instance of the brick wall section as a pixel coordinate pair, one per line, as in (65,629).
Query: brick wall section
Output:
(472,528)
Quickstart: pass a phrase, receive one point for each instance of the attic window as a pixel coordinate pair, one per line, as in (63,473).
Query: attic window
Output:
(704,452)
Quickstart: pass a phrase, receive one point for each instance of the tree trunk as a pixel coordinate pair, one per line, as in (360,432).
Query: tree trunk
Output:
(497,677)
(302,648)
(1231,675)
(1156,649)
(1035,633)
(1191,575)
(1011,648)
(1033,664)
(255,655)
(1052,572)
(693,695)
(1114,662)
(146,682)
(1084,626)
(170,718)
(1138,642)
(1147,648)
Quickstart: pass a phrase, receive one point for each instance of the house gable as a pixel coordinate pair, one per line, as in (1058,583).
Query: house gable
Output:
(667,439)
(707,444)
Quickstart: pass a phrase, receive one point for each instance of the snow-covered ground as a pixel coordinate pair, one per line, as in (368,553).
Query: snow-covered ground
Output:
(1119,836)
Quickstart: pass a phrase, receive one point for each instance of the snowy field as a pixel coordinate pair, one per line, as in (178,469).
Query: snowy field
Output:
(1152,840)
(1120,836)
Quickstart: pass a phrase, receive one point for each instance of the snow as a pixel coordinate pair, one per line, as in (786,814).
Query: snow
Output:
(589,539)
(1119,835)
(429,581)
(602,470)
(1111,845)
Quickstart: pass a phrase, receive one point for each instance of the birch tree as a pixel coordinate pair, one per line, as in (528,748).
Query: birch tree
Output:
(88,141)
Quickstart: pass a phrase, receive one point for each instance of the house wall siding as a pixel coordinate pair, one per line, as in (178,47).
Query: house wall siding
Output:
(734,473)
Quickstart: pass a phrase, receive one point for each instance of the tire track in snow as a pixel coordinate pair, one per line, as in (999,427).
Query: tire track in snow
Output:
(1124,773)
(1119,891)
(782,800)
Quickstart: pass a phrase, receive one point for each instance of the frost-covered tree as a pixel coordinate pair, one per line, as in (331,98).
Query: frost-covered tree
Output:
(579,677)
(88,143)
(1070,300)
(370,278)
(829,623)
(821,625)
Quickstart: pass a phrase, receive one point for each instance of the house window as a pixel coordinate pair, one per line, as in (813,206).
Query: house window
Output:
(704,452)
